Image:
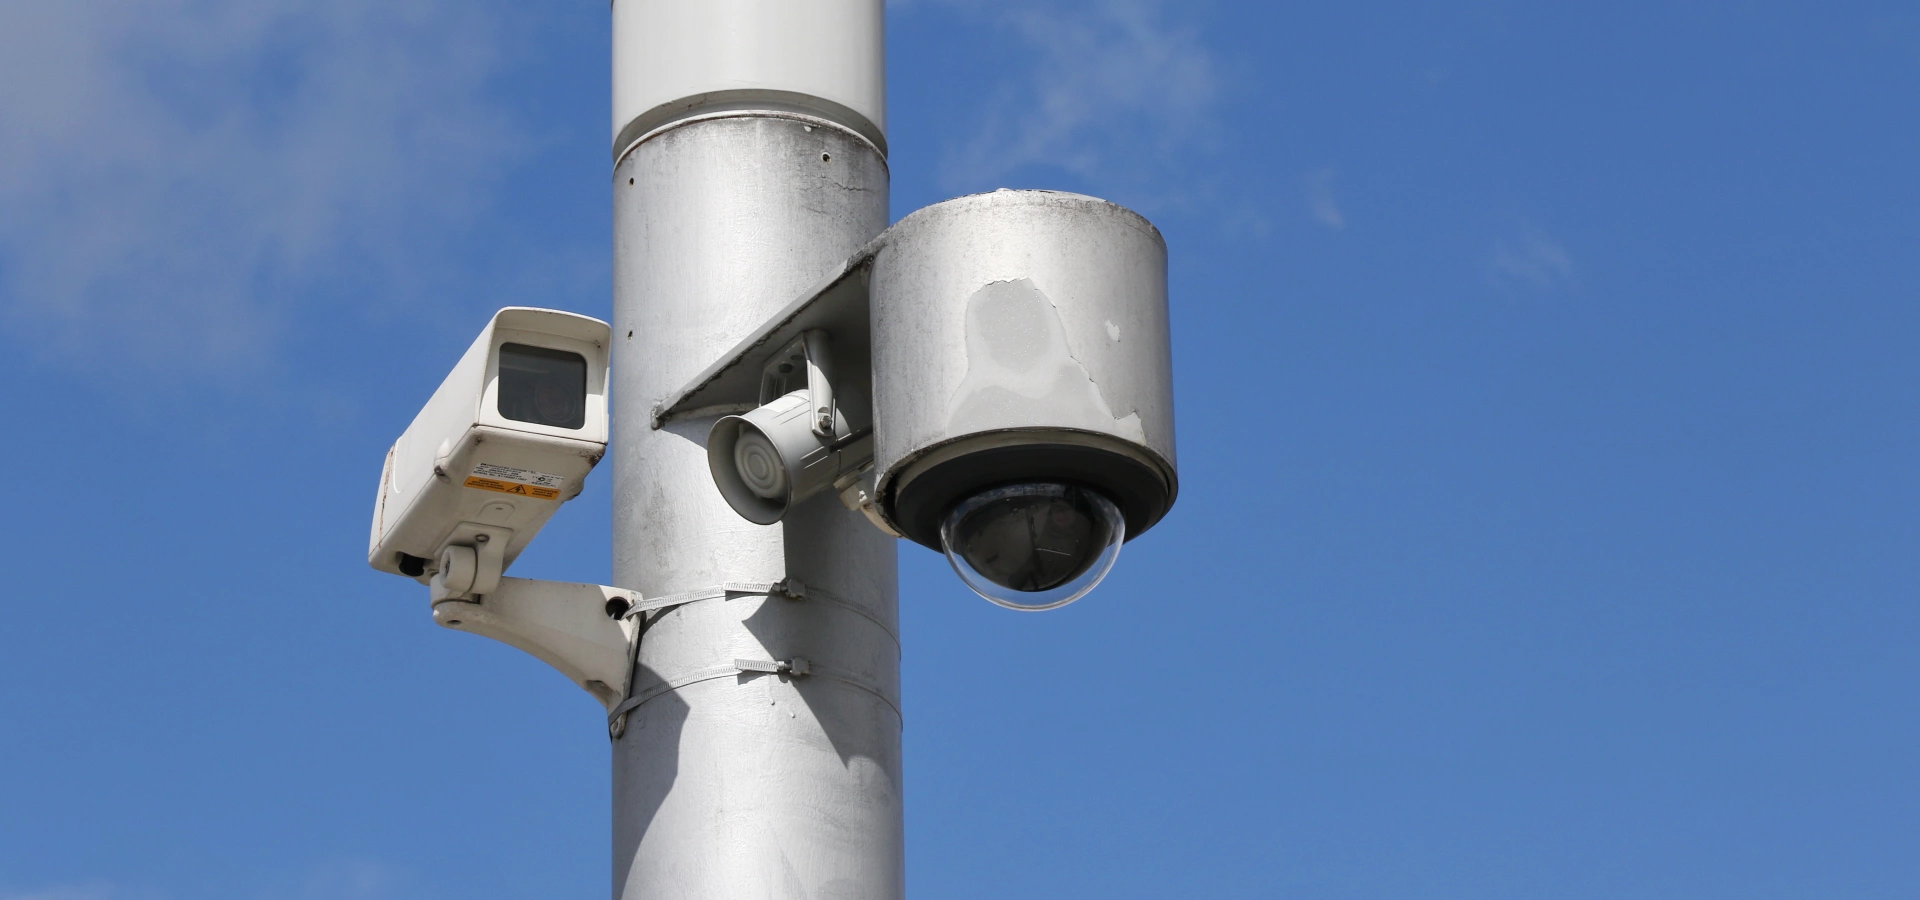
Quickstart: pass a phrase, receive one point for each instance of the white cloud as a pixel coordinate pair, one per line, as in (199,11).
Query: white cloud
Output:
(1530,259)
(352,881)
(1117,92)
(70,892)
(334,880)
(1321,202)
(174,172)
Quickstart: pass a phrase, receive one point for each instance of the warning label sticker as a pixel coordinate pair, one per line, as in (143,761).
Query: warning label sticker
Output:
(509,480)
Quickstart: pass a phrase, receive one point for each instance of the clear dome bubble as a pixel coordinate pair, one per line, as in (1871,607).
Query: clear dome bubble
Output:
(1033,546)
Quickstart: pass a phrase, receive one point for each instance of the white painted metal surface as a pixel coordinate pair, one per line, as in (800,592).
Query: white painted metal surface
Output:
(836,304)
(1019,310)
(732,783)
(562,624)
(462,463)
(675,58)
(1023,337)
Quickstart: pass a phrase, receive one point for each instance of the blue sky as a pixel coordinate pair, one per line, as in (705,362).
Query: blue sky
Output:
(1547,405)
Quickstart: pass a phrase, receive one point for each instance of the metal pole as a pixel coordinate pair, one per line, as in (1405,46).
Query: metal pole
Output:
(749,161)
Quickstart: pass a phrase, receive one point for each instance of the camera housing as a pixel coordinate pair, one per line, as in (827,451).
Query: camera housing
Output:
(1016,352)
(1035,545)
(1021,338)
(510,434)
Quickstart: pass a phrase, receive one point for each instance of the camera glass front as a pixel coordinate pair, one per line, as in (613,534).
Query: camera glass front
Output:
(1033,546)
(543,386)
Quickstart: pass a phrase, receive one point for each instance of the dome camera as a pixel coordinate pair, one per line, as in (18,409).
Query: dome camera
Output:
(1033,546)
(1004,392)
(1023,403)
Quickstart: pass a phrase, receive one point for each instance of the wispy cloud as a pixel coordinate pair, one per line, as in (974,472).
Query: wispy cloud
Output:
(1119,91)
(357,880)
(334,880)
(1321,202)
(69,892)
(174,172)
(1529,259)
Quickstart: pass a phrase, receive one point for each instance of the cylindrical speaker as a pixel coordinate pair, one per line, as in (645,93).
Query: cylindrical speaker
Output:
(770,458)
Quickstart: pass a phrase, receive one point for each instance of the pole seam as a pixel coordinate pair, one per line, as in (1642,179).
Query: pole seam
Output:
(802,118)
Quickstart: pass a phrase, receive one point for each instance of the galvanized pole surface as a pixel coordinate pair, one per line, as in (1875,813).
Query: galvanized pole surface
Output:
(749,162)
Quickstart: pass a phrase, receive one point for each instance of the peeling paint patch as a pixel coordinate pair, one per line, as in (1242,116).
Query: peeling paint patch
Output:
(1113,331)
(1021,373)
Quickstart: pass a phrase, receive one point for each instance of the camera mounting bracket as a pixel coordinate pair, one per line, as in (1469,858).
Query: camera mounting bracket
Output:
(836,305)
(805,359)
(470,561)
(827,327)
(579,629)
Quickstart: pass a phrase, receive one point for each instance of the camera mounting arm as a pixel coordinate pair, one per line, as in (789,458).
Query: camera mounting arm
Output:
(808,355)
(835,305)
(579,629)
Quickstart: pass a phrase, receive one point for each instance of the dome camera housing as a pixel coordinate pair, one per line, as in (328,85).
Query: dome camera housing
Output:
(1137,485)
(1023,369)
(1033,546)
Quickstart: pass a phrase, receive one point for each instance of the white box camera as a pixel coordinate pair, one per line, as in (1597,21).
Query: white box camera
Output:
(510,435)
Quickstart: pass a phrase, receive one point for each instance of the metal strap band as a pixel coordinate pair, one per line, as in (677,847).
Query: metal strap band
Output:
(791,588)
(786,587)
(793,669)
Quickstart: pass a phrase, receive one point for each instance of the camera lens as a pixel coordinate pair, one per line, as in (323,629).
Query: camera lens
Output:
(1033,546)
(543,386)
